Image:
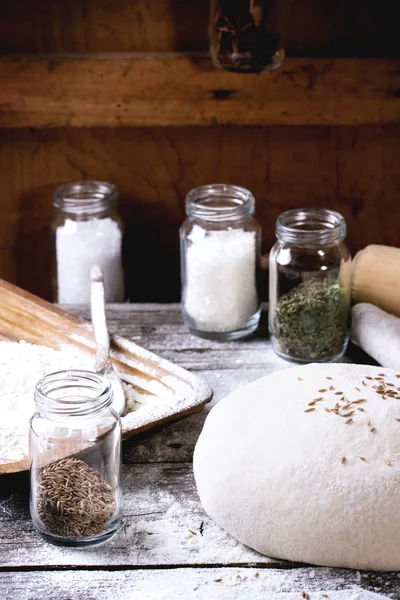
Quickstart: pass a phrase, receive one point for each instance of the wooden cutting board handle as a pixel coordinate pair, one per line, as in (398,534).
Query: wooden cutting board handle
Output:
(376,278)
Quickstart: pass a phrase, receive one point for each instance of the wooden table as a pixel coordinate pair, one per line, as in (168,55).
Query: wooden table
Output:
(168,548)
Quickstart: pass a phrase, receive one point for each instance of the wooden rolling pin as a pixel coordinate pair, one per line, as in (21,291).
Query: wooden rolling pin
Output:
(376,278)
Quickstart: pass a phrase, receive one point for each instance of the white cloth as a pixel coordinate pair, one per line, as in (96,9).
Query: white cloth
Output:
(378,333)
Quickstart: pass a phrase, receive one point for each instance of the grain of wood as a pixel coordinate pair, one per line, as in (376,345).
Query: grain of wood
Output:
(353,170)
(310,27)
(98,25)
(376,278)
(225,367)
(160,505)
(139,90)
(199,584)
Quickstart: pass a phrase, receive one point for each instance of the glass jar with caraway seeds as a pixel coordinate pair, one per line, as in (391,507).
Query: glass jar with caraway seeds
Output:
(220,254)
(309,295)
(75,459)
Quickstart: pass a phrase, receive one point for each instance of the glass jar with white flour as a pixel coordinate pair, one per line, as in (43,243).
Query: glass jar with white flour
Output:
(87,231)
(220,251)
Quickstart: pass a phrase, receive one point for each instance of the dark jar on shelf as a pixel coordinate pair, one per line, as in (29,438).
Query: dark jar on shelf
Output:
(242,36)
(309,286)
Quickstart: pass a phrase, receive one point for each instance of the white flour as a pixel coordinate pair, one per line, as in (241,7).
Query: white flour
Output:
(21,367)
(23,364)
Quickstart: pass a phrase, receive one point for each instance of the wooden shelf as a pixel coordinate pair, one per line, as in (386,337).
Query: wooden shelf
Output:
(168,89)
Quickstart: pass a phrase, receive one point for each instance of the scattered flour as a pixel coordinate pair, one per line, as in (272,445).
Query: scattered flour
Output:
(23,364)
(197,584)
(21,367)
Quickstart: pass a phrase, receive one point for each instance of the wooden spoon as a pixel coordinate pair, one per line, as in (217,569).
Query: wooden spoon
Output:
(103,364)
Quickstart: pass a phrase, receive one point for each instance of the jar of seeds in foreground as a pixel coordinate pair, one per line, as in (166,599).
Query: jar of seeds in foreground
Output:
(75,459)
(309,295)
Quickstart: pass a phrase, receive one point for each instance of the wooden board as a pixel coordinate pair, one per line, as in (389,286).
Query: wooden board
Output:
(114,90)
(164,391)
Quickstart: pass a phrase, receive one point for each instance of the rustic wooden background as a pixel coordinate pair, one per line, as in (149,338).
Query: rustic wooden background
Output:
(157,120)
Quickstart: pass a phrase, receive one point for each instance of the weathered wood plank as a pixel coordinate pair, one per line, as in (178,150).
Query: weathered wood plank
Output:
(160,328)
(103,26)
(160,506)
(200,584)
(174,89)
(225,367)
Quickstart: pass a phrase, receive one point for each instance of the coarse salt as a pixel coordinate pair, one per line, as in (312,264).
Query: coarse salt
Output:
(221,292)
(79,246)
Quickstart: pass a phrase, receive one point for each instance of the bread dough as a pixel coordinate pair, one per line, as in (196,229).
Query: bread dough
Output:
(315,487)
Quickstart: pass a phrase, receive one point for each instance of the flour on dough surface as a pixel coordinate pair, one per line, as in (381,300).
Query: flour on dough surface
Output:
(273,475)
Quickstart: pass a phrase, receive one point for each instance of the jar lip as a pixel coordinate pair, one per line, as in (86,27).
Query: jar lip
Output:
(85,197)
(311,225)
(51,395)
(219,202)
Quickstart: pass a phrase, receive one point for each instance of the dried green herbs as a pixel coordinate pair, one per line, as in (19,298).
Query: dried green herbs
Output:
(311,321)
(73,500)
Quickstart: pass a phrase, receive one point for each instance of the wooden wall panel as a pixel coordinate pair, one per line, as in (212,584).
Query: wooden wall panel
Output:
(103,25)
(353,170)
(174,89)
(309,27)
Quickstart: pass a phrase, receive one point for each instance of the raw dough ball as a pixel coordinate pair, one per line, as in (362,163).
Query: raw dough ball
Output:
(315,487)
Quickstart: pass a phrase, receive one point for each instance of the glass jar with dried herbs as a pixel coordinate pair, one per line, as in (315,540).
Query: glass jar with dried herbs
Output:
(75,459)
(309,295)
(243,37)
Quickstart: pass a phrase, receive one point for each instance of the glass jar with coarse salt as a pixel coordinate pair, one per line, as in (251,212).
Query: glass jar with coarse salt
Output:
(86,231)
(220,256)
(75,459)
(309,286)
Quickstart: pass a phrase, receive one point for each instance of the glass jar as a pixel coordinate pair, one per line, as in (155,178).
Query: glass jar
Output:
(75,459)
(242,37)
(86,231)
(220,254)
(309,287)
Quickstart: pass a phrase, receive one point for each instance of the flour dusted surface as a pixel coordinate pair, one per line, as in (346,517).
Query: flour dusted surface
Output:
(21,367)
(23,364)
(305,465)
